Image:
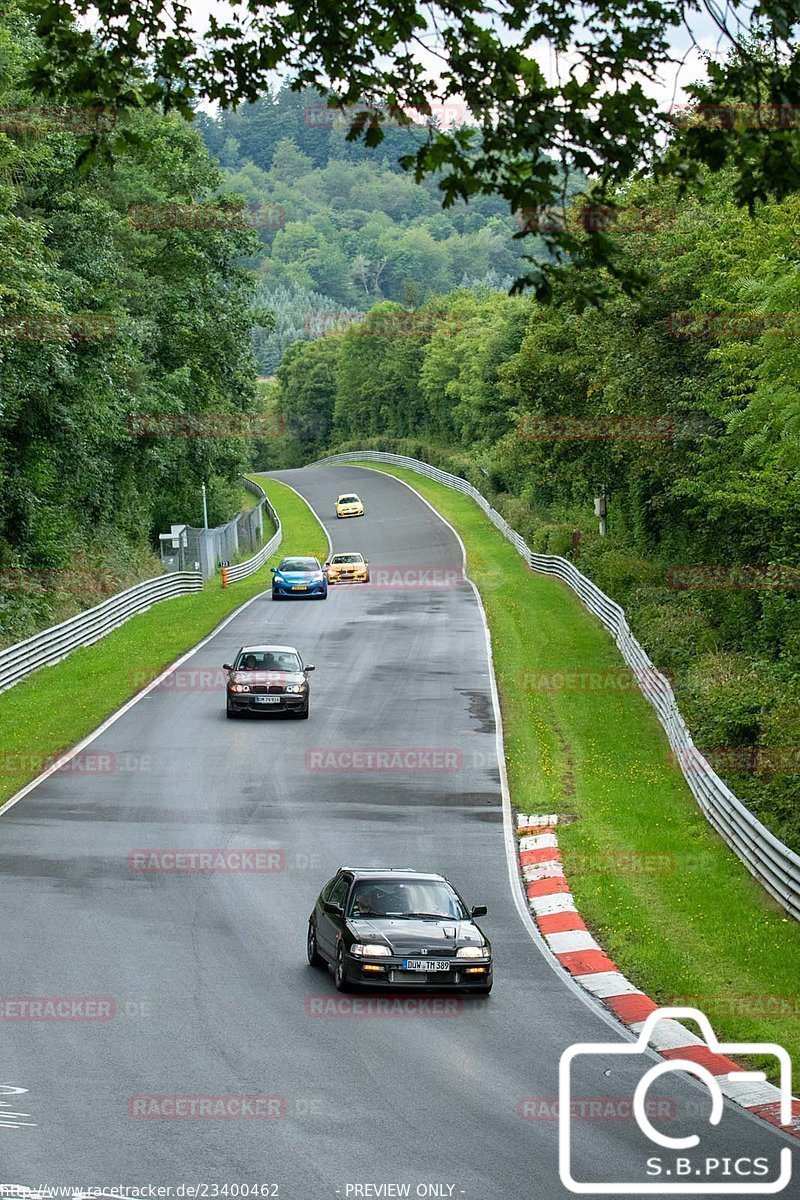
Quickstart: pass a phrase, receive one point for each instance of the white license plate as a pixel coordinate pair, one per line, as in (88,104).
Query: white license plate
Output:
(426,964)
(267,699)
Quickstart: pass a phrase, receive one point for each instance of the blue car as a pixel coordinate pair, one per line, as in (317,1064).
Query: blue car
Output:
(301,578)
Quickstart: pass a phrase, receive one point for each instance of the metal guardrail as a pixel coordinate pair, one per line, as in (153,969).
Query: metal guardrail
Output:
(772,863)
(51,645)
(243,569)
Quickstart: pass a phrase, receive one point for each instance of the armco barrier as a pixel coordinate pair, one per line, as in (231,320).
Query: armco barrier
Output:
(243,569)
(51,645)
(765,856)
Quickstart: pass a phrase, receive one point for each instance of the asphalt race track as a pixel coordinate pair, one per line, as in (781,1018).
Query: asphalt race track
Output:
(211,992)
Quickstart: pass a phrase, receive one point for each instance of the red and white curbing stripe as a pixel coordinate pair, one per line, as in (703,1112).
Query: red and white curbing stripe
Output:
(553,907)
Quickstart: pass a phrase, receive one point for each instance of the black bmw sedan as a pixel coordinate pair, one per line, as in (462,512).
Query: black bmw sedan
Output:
(397,928)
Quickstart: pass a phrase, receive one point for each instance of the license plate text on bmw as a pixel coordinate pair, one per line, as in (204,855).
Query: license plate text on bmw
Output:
(267,699)
(426,964)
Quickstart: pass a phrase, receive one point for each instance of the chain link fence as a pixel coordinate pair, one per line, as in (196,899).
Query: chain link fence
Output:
(205,550)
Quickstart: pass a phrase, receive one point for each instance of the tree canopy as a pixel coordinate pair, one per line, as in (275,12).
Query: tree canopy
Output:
(113,328)
(525,126)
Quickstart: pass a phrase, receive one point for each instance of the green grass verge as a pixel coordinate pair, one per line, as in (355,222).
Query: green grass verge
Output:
(57,706)
(247,500)
(690,927)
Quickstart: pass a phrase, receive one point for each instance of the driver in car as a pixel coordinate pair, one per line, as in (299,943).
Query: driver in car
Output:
(368,904)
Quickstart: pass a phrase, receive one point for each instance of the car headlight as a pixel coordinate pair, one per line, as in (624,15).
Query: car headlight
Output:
(472,952)
(294,688)
(241,687)
(370,950)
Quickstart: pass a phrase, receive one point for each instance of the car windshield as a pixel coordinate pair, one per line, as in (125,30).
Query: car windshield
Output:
(299,564)
(405,898)
(267,660)
(347,558)
(349,500)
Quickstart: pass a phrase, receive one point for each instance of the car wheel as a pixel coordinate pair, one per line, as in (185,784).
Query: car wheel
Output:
(323,596)
(230,713)
(275,596)
(314,957)
(340,971)
(302,714)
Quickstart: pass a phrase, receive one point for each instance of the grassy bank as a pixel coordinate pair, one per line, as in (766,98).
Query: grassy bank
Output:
(57,706)
(663,894)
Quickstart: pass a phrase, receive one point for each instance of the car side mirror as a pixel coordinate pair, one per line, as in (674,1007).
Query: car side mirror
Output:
(335,910)
(272,570)
(310,667)
(479,910)
(327,564)
(227,667)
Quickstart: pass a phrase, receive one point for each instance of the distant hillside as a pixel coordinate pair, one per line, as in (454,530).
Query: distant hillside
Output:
(344,227)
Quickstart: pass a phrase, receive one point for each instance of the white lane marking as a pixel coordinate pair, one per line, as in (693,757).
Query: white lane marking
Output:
(539,841)
(512,862)
(573,939)
(300,495)
(552,869)
(555,902)
(608,983)
(112,720)
(8,1119)
(748,1093)
(670,1035)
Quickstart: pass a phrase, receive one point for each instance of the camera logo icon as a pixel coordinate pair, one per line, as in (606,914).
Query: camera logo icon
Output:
(697,1186)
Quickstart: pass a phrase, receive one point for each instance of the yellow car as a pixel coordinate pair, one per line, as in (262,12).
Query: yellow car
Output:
(349,505)
(347,568)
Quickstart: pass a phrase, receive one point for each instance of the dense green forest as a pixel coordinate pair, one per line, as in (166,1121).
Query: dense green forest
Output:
(344,227)
(692,426)
(103,320)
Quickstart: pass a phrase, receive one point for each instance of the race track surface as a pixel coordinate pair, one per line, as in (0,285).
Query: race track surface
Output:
(211,992)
